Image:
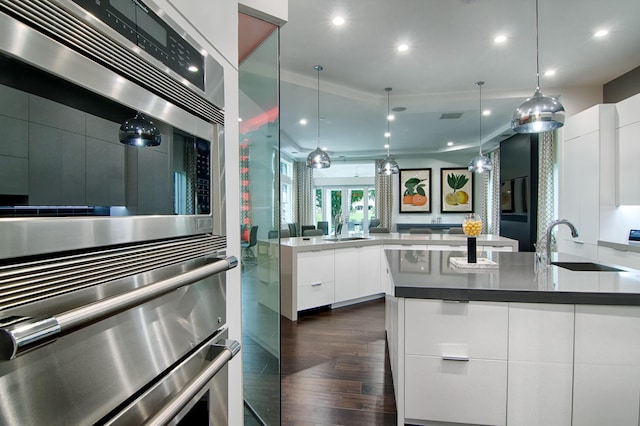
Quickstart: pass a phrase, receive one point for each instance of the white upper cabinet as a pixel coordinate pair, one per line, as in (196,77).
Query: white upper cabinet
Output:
(586,176)
(628,150)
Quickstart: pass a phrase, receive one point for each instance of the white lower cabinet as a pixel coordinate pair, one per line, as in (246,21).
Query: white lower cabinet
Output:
(315,279)
(455,361)
(540,364)
(472,391)
(357,272)
(607,365)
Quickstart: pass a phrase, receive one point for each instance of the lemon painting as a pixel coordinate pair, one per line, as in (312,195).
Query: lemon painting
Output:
(457,187)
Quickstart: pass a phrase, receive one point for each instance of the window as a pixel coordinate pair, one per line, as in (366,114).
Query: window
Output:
(286,185)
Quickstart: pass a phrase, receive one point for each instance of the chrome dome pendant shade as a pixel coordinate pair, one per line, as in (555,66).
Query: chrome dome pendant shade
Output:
(539,113)
(389,165)
(139,131)
(480,163)
(318,158)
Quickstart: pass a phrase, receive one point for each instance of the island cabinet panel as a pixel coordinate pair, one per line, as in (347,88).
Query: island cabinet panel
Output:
(315,279)
(357,272)
(347,271)
(456,361)
(450,329)
(540,375)
(607,365)
(467,392)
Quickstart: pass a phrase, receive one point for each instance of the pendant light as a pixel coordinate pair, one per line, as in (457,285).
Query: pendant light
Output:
(389,165)
(480,163)
(318,159)
(539,113)
(139,131)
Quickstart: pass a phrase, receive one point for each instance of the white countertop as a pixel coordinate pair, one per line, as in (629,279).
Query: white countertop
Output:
(325,241)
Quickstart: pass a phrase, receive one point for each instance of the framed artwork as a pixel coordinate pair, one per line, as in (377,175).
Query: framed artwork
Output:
(456,190)
(506,196)
(415,191)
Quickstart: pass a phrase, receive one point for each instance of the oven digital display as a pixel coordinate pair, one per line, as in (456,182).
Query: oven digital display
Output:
(140,25)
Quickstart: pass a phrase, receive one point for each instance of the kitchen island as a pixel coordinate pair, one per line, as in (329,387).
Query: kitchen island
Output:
(516,344)
(325,270)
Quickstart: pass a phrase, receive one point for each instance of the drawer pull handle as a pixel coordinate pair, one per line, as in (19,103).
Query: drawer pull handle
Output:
(315,284)
(455,358)
(578,242)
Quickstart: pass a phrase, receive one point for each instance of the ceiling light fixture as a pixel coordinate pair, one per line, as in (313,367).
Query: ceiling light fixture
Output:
(500,39)
(549,73)
(480,163)
(303,121)
(338,20)
(403,47)
(139,131)
(601,33)
(539,113)
(318,159)
(389,165)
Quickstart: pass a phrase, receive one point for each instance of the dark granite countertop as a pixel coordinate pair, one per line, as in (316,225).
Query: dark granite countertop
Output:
(430,275)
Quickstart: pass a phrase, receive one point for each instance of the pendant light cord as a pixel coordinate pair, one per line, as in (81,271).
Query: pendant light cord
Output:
(537,51)
(318,68)
(388,89)
(480,84)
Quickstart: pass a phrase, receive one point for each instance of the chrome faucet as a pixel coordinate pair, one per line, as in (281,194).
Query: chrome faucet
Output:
(337,220)
(574,234)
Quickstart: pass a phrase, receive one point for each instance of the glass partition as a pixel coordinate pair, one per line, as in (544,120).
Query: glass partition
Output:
(260,218)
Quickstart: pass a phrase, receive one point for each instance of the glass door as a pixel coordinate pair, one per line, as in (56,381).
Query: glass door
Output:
(260,210)
(354,206)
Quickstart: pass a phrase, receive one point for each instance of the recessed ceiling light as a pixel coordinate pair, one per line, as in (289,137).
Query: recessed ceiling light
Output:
(600,33)
(338,20)
(324,148)
(303,121)
(239,119)
(450,143)
(403,47)
(391,117)
(387,134)
(500,39)
(550,72)
(193,68)
(386,146)
(486,112)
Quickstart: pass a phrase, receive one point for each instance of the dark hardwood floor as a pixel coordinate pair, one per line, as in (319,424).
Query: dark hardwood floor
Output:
(335,368)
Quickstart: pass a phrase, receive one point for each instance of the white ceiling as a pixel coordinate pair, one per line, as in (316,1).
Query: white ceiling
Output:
(451,47)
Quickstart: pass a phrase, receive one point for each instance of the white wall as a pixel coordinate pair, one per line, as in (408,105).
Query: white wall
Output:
(214,25)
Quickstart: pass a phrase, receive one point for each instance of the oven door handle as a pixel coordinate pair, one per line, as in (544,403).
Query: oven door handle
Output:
(191,389)
(25,333)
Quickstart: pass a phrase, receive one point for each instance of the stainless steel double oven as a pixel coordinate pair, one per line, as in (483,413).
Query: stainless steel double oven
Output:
(112,257)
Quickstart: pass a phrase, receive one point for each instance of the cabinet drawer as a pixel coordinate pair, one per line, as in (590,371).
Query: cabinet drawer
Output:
(315,267)
(311,296)
(474,329)
(607,335)
(578,247)
(470,392)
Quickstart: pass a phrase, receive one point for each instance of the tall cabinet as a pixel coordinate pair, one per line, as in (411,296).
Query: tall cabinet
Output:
(586,165)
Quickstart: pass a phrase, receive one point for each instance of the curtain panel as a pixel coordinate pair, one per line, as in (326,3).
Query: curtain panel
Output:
(384,197)
(303,201)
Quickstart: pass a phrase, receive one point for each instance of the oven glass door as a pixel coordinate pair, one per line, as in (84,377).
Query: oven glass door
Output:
(60,154)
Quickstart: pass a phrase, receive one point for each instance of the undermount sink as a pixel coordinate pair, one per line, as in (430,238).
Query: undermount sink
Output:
(335,240)
(586,266)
